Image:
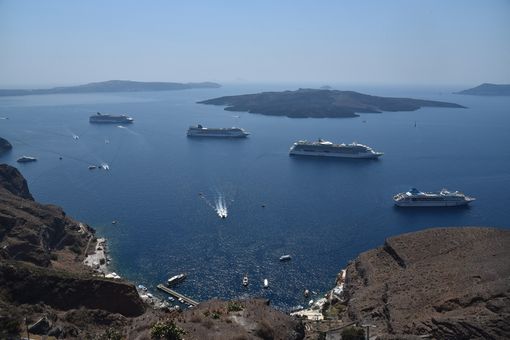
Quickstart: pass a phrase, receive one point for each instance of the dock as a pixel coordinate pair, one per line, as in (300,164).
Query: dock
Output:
(177,295)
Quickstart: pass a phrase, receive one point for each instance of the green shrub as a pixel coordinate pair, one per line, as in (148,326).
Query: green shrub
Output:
(110,334)
(353,333)
(9,326)
(167,330)
(234,307)
(215,314)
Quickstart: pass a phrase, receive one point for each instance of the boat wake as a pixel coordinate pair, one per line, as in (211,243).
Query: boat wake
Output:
(219,206)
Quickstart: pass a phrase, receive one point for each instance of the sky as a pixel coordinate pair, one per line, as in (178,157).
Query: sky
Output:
(434,42)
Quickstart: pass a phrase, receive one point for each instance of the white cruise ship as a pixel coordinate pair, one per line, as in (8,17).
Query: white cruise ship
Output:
(328,149)
(443,198)
(200,131)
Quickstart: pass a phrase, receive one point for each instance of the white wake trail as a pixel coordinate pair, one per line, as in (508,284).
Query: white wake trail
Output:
(221,207)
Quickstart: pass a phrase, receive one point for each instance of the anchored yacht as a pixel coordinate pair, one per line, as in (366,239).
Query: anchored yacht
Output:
(328,149)
(200,131)
(443,198)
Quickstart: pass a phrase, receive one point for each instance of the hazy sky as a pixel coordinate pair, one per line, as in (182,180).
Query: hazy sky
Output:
(396,42)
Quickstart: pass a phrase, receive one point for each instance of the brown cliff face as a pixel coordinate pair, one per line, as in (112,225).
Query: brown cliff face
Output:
(12,181)
(451,283)
(41,269)
(32,232)
(31,285)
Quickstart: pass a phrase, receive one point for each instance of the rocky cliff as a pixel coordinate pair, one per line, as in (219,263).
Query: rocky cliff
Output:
(450,283)
(4,145)
(41,270)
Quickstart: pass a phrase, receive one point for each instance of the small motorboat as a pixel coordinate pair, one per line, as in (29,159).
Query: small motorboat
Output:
(306,293)
(285,258)
(245,280)
(92,167)
(171,299)
(176,279)
(266,283)
(114,222)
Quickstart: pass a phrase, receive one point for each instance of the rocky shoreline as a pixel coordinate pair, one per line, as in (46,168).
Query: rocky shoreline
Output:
(443,283)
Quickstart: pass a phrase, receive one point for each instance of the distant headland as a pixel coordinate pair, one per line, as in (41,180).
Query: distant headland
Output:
(321,103)
(487,89)
(112,86)
(4,145)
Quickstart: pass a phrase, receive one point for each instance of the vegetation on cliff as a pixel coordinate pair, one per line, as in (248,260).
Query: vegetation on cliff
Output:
(4,145)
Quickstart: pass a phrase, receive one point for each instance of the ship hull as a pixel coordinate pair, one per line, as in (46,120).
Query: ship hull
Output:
(336,154)
(217,135)
(112,121)
(432,203)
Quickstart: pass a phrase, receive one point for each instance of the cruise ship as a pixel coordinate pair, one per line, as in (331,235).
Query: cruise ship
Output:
(328,149)
(200,131)
(443,198)
(110,119)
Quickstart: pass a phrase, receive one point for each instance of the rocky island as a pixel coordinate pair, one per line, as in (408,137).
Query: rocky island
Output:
(320,103)
(487,89)
(112,86)
(4,146)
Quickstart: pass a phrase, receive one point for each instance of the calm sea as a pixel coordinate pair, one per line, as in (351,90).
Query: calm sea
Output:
(163,187)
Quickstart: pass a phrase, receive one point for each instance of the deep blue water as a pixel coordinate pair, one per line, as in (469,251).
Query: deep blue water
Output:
(322,212)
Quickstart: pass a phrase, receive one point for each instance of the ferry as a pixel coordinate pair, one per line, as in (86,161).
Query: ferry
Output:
(326,148)
(26,159)
(176,279)
(200,131)
(443,198)
(100,118)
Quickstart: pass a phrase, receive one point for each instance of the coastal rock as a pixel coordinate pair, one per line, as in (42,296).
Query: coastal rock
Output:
(66,291)
(12,181)
(449,283)
(320,103)
(34,232)
(4,145)
(42,271)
